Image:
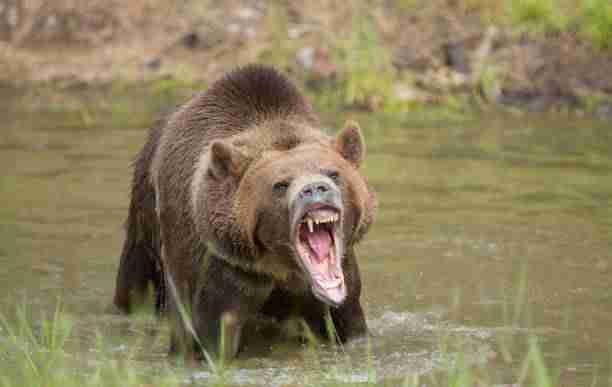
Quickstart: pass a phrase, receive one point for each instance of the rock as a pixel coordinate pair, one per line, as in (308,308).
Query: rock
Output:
(153,64)
(406,93)
(316,61)
(233,28)
(540,104)
(190,40)
(305,58)
(248,14)
(297,32)
(604,111)
(443,79)
(249,33)
(457,57)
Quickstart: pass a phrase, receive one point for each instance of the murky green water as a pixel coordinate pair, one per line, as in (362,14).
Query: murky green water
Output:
(470,211)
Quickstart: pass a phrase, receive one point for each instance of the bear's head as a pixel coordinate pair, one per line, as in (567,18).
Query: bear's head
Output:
(293,211)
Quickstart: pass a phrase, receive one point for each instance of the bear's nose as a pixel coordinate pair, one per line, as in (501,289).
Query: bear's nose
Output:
(314,189)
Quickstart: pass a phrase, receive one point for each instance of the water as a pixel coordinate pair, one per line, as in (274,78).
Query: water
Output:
(488,231)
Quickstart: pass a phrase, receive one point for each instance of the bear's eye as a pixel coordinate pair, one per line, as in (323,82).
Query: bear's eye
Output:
(333,175)
(280,187)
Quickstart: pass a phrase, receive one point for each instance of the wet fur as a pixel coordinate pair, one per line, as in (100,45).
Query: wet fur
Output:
(188,225)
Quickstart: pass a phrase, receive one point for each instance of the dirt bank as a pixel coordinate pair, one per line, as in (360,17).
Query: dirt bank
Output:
(407,52)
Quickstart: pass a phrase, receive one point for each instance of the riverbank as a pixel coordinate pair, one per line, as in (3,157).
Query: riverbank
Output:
(529,55)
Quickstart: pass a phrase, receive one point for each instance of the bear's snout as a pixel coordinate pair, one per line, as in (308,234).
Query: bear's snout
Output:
(315,190)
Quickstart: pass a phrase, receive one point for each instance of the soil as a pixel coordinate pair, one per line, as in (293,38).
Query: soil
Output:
(442,49)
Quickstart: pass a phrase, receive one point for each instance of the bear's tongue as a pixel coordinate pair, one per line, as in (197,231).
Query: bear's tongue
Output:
(320,242)
(317,249)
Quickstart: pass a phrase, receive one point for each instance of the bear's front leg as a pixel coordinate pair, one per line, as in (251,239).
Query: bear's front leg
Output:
(349,319)
(226,296)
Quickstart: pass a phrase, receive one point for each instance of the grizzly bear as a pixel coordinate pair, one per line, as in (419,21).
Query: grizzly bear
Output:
(241,206)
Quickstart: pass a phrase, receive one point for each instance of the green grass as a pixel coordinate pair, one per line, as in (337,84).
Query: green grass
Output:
(538,15)
(592,19)
(35,352)
(35,357)
(367,75)
(597,22)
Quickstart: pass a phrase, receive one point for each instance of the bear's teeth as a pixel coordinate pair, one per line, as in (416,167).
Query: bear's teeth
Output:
(310,226)
(330,219)
(312,220)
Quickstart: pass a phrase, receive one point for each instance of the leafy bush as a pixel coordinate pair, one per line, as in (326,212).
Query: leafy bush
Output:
(597,22)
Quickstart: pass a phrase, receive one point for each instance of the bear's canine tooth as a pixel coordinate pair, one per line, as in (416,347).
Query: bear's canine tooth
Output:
(310,226)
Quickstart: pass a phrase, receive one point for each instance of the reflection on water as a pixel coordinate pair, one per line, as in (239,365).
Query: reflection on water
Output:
(487,231)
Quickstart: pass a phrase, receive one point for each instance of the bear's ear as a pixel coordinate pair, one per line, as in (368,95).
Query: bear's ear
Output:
(226,160)
(350,144)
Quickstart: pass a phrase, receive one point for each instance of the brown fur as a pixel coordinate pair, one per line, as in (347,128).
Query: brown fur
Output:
(203,215)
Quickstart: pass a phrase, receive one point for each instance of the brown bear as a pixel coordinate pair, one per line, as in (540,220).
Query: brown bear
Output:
(241,206)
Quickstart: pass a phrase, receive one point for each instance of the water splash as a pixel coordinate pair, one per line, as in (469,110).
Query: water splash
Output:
(403,344)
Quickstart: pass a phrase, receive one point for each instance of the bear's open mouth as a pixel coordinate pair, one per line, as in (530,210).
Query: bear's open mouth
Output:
(318,245)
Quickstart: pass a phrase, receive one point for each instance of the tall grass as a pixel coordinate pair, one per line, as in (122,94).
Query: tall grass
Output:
(365,63)
(31,357)
(36,354)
